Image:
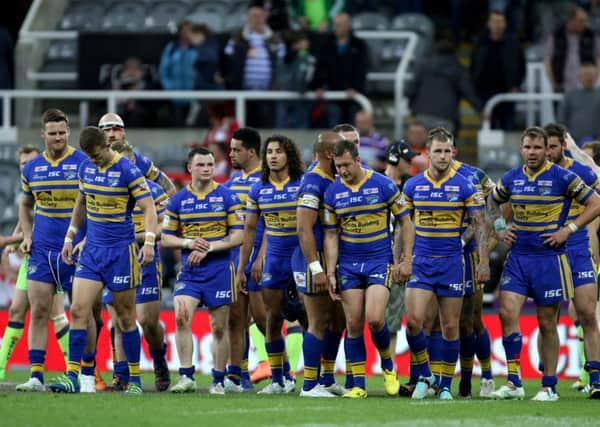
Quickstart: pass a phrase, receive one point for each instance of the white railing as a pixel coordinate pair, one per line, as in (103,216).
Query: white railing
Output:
(111,97)
(514,97)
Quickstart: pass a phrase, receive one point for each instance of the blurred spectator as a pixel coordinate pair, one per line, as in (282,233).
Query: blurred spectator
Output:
(132,76)
(316,14)
(341,65)
(250,59)
(222,166)
(277,13)
(416,138)
(6,62)
(373,145)
(222,124)
(581,106)
(497,66)
(571,45)
(398,158)
(592,149)
(177,68)
(207,62)
(295,74)
(440,83)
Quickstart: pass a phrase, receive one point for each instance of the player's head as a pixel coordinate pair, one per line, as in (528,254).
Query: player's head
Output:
(55,130)
(592,149)
(25,154)
(281,153)
(399,155)
(124,148)
(347,161)
(93,143)
(201,165)
(534,144)
(114,128)
(440,149)
(245,147)
(557,142)
(348,132)
(325,145)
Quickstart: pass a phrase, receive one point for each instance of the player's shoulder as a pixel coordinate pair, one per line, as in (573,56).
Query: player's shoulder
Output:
(155,189)
(34,165)
(584,172)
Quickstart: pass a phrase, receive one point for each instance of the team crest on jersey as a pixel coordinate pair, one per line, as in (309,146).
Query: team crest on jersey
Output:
(218,207)
(113,182)
(371,191)
(372,200)
(266,191)
(453,196)
(341,195)
(69,176)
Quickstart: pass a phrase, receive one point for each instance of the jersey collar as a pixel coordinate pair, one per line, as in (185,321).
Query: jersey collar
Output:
(279,185)
(547,165)
(366,175)
(201,195)
(56,162)
(438,184)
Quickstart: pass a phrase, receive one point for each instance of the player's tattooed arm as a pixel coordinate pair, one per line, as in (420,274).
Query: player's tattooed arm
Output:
(165,182)
(482,235)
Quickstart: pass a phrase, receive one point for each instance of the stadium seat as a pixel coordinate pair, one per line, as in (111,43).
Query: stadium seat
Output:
(370,21)
(59,66)
(214,21)
(236,17)
(63,50)
(125,16)
(164,16)
(213,7)
(421,25)
(83,16)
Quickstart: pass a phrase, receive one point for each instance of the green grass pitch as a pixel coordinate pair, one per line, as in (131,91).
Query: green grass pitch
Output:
(200,409)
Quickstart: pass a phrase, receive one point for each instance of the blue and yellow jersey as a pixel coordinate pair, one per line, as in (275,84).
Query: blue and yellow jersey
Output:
(439,208)
(540,204)
(312,195)
(240,184)
(160,203)
(361,213)
(209,215)
(276,203)
(110,195)
(146,166)
(482,182)
(53,184)
(580,238)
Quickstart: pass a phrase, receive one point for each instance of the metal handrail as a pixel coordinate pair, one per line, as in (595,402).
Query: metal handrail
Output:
(111,97)
(514,97)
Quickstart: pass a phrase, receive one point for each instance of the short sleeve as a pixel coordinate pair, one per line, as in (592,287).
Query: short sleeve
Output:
(235,212)
(252,200)
(171,218)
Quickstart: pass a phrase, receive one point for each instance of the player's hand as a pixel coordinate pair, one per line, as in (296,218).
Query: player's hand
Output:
(67,253)
(333,291)
(556,239)
(199,244)
(482,274)
(320,282)
(240,280)
(507,236)
(403,272)
(146,255)
(25,246)
(195,258)
(257,269)
(78,249)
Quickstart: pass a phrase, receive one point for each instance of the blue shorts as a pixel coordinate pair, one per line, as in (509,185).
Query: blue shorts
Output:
(359,275)
(547,279)
(251,284)
(213,284)
(47,266)
(277,272)
(582,266)
(117,268)
(444,276)
(471,261)
(150,288)
(302,275)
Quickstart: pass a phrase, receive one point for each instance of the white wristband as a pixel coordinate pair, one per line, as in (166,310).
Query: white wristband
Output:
(210,248)
(73,229)
(151,235)
(148,243)
(68,240)
(573,227)
(315,267)
(186,243)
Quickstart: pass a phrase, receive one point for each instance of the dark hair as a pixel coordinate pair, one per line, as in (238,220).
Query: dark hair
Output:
(122,147)
(344,127)
(417,123)
(91,137)
(27,149)
(250,138)
(294,159)
(535,132)
(345,146)
(556,130)
(496,12)
(439,134)
(199,150)
(54,115)
(573,10)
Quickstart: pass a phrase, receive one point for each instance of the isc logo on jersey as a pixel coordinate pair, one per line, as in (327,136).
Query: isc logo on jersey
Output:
(150,291)
(223,294)
(121,280)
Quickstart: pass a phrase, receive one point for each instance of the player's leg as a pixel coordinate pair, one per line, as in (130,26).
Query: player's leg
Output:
(333,337)
(184,306)
(393,316)
(124,304)
(85,293)
(547,321)
(120,366)
(582,383)
(483,346)
(450,309)
(275,345)
(353,301)
(293,345)
(219,316)
(585,306)
(61,324)
(95,328)
(435,343)
(257,330)
(467,345)
(238,323)
(16,323)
